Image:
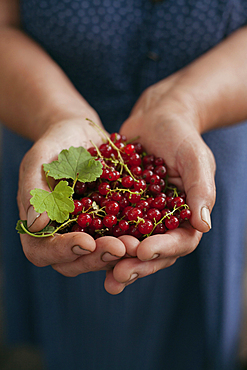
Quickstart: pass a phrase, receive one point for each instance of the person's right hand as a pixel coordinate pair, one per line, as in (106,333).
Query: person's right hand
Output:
(74,253)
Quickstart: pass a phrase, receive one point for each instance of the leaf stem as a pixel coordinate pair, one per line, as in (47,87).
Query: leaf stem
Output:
(45,235)
(46,176)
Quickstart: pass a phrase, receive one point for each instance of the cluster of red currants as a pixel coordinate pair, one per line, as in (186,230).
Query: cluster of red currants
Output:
(131,197)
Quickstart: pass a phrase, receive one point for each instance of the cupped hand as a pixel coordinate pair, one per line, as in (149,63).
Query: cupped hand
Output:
(72,253)
(167,123)
(151,255)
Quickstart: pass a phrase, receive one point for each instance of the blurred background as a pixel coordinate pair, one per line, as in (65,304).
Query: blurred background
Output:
(27,357)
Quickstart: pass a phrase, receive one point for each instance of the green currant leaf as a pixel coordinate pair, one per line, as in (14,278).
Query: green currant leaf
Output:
(58,204)
(19,228)
(75,163)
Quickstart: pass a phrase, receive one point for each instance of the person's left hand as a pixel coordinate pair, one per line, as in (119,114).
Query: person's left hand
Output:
(168,126)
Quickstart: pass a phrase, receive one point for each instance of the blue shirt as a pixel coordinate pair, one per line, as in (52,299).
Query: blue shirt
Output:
(184,317)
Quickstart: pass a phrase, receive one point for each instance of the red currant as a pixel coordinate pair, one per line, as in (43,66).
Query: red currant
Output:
(117,231)
(93,151)
(112,208)
(123,202)
(106,150)
(158,161)
(133,230)
(110,220)
(96,224)
(78,207)
(80,188)
(84,220)
(155,189)
(148,159)
(138,148)
(77,228)
(161,171)
(172,222)
(145,227)
(140,185)
(127,182)
(96,197)
(177,202)
(104,188)
(185,214)
(135,159)
(115,137)
(113,176)
(154,214)
(134,213)
(116,196)
(147,174)
(86,203)
(154,179)
(136,170)
(159,229)
(129,149)
(143,205)
(159,202)
(124,225)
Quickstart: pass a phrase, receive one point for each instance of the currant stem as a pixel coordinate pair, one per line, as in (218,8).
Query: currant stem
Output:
(74,182)
(97,149)
(167,216)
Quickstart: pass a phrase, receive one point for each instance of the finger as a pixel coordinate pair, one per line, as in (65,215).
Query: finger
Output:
(131,244)
(31,176)
(154,253)
(111,285)
(60,248)
(129,270)
(108,251)
(173,244)
(196,166)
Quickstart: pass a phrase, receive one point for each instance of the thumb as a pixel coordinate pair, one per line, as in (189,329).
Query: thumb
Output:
(196,165)
(31,176)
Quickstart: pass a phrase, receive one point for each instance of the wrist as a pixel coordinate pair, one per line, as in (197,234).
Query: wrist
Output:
(180,103)
(204,107)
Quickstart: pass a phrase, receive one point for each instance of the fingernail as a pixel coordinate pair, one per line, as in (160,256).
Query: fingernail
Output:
(156,255)
(205,216)
(79,250)
(108,257)
(133,277)
(32,216)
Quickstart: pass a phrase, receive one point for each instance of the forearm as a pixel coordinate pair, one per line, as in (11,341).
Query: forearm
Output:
(34,91)
(216,83)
